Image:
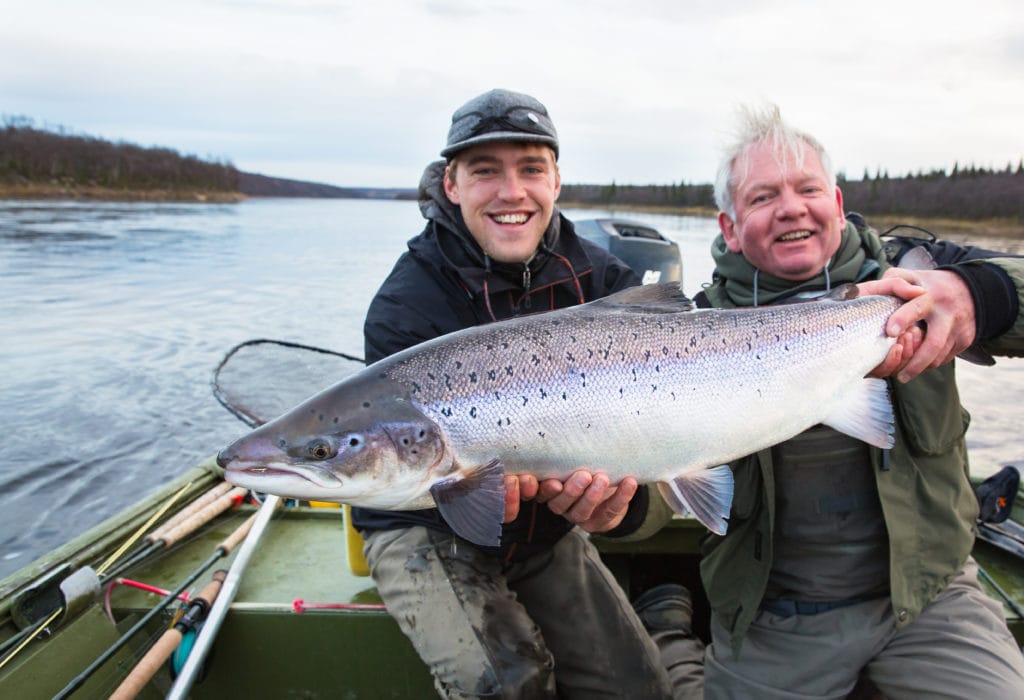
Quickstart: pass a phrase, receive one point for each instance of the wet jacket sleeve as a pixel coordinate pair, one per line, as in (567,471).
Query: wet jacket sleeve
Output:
(1003,331)
(994,280)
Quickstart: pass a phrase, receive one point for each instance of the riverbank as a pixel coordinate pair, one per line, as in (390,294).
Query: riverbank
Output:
(1009,234)
(108,194)
(1001,234)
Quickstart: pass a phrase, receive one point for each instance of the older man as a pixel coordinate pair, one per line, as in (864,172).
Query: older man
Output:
(841,558)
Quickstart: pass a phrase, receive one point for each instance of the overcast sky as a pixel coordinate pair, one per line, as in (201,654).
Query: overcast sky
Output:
(361,92)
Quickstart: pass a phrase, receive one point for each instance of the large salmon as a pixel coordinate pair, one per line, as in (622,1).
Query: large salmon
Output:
(635,384)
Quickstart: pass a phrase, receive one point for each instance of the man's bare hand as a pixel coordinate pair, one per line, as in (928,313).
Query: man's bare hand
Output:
(942,301)
(586,498)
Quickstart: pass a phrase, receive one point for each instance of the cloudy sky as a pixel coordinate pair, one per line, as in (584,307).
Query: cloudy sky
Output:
(360,92)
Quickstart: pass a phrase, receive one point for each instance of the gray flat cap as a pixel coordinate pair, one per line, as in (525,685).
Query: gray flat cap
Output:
(500,115)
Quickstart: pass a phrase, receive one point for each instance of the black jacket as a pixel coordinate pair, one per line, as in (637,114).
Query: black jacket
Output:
(444,283)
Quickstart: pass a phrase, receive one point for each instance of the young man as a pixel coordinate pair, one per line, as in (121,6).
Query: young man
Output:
(839,557)
(540,616)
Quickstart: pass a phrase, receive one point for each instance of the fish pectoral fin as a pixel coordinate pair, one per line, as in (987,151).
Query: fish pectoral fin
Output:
(474,506)
(706,494)
(865,413)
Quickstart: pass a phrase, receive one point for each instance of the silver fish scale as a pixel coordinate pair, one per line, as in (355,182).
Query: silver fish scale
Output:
(642,393)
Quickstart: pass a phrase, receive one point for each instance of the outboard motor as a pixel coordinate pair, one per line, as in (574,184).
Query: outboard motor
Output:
(642,247)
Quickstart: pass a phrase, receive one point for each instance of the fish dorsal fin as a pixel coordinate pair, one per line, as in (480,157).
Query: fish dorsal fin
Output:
(474,506)
(843,292)
(666,297)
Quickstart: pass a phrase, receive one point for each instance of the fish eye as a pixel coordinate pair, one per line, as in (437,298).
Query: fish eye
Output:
(320,450)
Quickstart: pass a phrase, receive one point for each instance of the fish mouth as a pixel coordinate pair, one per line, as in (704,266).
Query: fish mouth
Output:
(320,477)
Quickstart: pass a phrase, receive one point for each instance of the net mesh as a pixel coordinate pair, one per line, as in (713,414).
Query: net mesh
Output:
(260,379)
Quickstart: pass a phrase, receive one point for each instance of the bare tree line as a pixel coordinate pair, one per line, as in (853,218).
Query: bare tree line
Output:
(29,155)
(37,156)
(965,193)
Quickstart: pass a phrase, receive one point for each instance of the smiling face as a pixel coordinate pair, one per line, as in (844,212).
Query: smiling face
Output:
(789,216)
(507,194)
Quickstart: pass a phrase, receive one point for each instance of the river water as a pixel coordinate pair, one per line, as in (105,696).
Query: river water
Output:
(114,315)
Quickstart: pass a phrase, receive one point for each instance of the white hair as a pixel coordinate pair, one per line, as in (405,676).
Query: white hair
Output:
(754,127)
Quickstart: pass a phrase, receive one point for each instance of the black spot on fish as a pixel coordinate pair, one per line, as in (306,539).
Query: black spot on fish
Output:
(541,433)
(458,365)
(472,377)
(430,376)
(564,397)
(472,412)
(446,412)
(654,388)
(583,376)
(633,370)
(524,400)
(509,371)
(491,374)
(569,357)
(366,404)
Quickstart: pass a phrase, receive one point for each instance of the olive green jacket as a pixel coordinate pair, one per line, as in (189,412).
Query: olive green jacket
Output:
(928,503)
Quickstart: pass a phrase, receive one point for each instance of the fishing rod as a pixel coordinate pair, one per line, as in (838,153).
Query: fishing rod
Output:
(217,500)
(187,675)
(146,668)
(83,583)
(223,550)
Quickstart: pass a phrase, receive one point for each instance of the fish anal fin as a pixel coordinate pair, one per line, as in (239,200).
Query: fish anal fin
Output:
(866,413)
(474,506)
(706,494)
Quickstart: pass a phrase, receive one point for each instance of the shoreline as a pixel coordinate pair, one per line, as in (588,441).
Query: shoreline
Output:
(956,229)
(108,194)
(996,230)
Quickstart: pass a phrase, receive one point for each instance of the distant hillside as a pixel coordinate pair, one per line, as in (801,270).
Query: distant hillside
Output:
(965,193)
(45,163)
(35,160)
(265,186)
(38,162)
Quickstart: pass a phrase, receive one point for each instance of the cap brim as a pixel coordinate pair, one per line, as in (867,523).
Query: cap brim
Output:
(493,136)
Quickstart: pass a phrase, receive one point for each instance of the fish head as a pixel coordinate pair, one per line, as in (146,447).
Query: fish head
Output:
(361,442)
